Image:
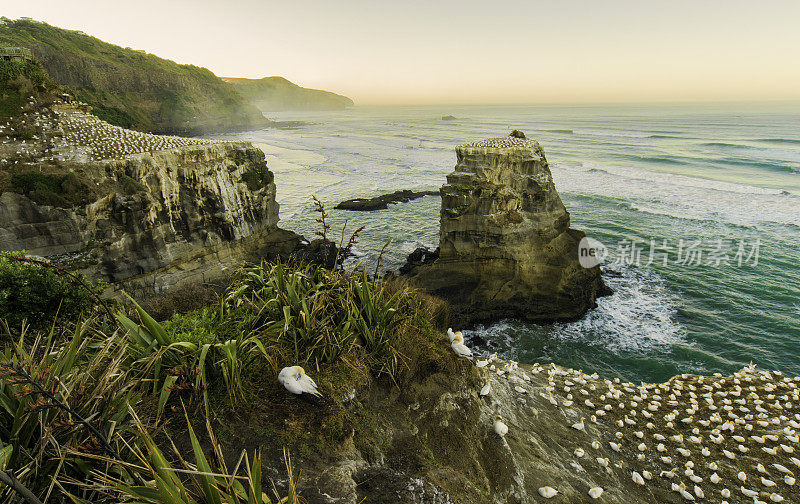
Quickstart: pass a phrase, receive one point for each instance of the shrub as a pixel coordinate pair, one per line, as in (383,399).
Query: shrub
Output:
(258,177)
(37,293)
(63,191)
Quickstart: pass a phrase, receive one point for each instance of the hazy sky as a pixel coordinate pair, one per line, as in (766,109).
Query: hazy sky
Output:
(467,51)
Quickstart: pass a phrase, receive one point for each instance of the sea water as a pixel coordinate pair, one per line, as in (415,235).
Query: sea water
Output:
(698,208)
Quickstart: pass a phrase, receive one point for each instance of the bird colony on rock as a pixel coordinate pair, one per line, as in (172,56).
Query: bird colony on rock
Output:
(725,439)
(49,134)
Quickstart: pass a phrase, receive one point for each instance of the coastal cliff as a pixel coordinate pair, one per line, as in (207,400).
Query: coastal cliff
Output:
(505,245)
(172,211)
(132,88)
(276,93)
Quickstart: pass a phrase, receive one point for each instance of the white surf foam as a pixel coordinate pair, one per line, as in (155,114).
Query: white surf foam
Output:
(638,317)
(680,196)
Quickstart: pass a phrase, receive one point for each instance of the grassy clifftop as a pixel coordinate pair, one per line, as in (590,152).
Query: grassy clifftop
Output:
(277,93)
(131,88)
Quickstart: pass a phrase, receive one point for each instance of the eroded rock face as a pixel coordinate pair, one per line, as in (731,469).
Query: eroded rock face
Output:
(506,248)
(161,218)
(439,445)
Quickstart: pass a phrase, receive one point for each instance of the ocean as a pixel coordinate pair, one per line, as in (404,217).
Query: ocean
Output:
(698,207)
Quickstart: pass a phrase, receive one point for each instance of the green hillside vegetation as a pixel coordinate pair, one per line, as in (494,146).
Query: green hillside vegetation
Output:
(19,80)
(132,88)
(277,93)
(106,409)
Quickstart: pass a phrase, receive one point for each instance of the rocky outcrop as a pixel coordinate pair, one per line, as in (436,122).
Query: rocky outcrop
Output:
(382,202)
(161,218)
(505,245)
(435,442)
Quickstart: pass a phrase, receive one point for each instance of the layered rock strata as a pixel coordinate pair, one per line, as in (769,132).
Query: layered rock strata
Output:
(157,219)
(505,245)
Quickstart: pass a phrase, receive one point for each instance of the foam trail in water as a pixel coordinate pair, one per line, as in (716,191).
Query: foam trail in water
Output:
(639,317)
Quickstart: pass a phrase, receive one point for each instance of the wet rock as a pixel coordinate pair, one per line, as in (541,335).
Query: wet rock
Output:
(382,202)
(419,257)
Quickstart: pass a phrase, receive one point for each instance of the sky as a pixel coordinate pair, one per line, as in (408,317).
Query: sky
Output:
(467,51)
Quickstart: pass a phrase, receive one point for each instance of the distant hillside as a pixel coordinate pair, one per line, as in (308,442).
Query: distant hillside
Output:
(276,93)
(131,88)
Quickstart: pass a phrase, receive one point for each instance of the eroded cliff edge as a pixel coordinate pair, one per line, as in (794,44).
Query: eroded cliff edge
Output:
(506,248)
(180,211)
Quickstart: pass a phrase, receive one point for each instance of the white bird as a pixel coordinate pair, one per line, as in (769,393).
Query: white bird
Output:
(452,335)
(749,493)
(547,492)
(637,478)
(487,387)
(782,468)
(458,346)
(579,452)
(499,427)
(775,497)
(596,492)
(296,381)
(579,425)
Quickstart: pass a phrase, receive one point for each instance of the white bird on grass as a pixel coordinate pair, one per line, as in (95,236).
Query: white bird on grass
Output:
(487,387)
(296,381)
(452,335)
(458,346)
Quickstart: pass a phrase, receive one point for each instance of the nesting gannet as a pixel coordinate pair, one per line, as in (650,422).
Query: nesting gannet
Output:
(459,347)
(548,492)
(296,381)
(499,427)
(487,387)
(579,425)
(596,492)
(451,335)
(637,478)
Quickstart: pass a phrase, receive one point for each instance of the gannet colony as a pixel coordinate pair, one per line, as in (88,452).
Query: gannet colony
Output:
(68,131)
(706,438)
(579,437)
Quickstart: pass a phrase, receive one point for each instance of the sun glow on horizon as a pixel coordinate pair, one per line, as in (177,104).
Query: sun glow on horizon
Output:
(468,52)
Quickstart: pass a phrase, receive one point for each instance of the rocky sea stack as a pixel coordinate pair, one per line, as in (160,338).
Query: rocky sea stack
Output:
(505,245)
